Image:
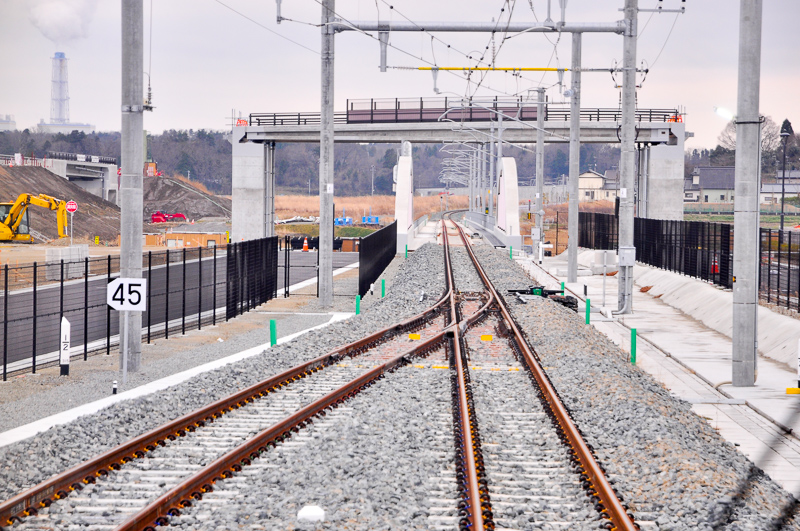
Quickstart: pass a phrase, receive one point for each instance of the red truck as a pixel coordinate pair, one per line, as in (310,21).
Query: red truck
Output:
(160,217)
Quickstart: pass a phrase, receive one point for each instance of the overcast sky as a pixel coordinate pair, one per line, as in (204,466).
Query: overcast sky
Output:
(207,60)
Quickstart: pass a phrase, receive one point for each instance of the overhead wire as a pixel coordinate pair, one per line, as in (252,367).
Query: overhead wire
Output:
(553,44)
(266,28)
(344,20)
(665,41)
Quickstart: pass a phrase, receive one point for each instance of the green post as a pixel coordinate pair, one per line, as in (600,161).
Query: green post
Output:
(406,251)
(588,310)
(510,252)
(633,346)
(273,335)
(383,288)
(562,288)
(358,304)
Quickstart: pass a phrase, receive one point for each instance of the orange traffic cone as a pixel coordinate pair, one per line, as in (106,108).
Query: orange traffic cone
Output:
(305,244)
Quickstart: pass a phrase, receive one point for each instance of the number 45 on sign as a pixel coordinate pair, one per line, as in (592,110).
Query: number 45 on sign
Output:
(127,294)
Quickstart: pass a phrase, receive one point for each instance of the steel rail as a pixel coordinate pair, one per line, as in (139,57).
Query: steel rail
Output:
(474,506)
(612,508)
(192,488)
(28,502)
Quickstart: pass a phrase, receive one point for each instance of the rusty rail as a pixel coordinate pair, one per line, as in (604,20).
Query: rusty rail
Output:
(193,487)
(28,503)
(474,505)
(612,509)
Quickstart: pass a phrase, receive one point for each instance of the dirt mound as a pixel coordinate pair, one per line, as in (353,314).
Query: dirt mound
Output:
(172,195)
(95,216)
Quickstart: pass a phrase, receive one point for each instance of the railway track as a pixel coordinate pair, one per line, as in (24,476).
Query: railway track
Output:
(519,459)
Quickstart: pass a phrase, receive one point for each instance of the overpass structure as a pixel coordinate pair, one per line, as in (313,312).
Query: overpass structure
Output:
(659,132)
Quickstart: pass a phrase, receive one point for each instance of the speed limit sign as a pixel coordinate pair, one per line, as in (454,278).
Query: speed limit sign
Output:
(127,294)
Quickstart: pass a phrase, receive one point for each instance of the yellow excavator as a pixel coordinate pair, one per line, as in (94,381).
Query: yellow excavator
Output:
(14,225)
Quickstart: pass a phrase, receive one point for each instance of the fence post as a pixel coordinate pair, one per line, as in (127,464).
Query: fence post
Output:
(5,322)
(556,253)
(286,260)
(183,295)
(61,295)
(108,312)
(166,300)
(86,308)
(199,288)
(149,291)
(214,291)
(780,266)
(33,329)
(789,271)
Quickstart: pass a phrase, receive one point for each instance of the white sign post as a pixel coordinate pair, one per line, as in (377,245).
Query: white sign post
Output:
(126,295)
(72,207)
(65,344)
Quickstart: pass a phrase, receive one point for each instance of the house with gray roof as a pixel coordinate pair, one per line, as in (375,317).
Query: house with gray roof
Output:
(710,184)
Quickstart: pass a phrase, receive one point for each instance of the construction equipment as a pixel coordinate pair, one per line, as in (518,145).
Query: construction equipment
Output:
(14,224)
(160,217)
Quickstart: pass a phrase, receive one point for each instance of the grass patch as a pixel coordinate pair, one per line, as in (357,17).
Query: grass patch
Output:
(311,230)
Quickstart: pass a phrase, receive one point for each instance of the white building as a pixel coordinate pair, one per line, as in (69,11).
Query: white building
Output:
(7,122)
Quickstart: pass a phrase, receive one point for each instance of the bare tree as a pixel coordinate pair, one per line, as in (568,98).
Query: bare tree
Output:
(770,136)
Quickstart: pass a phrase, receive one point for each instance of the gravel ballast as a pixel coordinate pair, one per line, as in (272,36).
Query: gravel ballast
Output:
(670,466)
(67,445)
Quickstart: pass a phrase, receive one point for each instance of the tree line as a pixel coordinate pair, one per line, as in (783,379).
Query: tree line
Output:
(205,156)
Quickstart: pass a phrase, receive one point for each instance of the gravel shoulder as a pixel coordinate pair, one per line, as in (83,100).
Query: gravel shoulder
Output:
(671,466)
(66,445)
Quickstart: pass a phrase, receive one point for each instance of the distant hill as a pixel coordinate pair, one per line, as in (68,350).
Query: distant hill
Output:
(171,195)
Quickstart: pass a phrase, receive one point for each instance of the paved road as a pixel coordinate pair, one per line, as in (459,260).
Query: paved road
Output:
(202,290)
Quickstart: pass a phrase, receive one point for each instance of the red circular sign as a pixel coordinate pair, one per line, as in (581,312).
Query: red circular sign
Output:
(72,206)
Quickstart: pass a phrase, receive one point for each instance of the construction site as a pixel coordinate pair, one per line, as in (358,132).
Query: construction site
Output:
(26,235)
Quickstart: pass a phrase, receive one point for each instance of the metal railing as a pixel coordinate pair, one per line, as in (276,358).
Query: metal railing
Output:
(375,252)
(252,275)
(186,288)
(780,268)
(416,110)
(693,248)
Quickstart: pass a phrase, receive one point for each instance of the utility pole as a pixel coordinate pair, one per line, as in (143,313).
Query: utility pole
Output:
(627,161)
(496,186)
(540,165)
(269,188)
(490,183)
(130,259)
(574,159)
(746,214)
(326,159)
(482,180)
(372,169)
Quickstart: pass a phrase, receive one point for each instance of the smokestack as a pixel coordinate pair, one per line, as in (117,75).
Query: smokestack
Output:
(59,93)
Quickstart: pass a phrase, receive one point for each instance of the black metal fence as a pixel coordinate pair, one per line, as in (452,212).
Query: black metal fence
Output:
(375,252)
(186,288)
(597,231)
(780,268)
(694,248)
(252,274)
